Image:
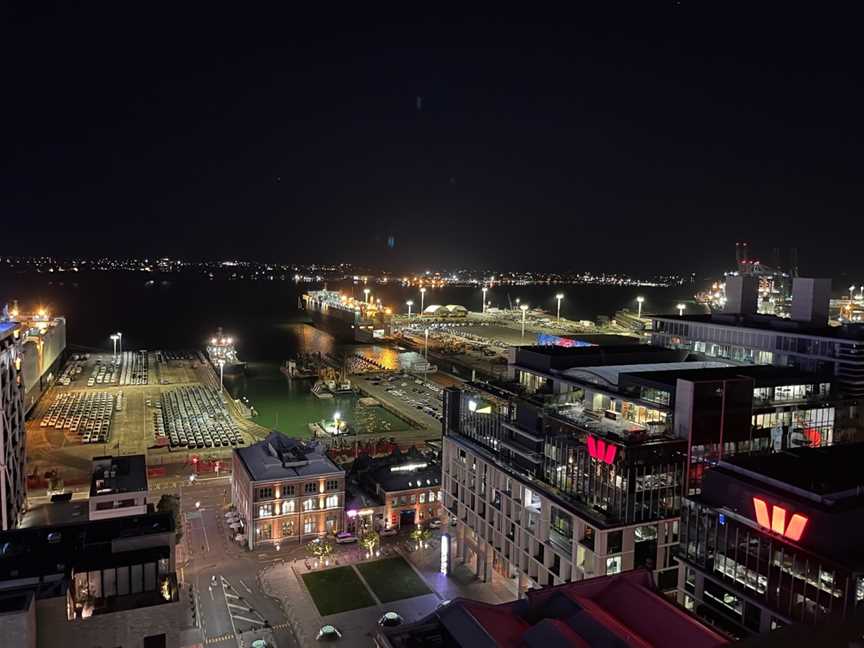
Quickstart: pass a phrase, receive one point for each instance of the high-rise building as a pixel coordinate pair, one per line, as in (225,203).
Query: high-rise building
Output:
(775,539)
(12,433)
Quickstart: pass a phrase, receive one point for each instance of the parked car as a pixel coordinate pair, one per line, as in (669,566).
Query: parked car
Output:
(391,531)
(434,523)
(345,537)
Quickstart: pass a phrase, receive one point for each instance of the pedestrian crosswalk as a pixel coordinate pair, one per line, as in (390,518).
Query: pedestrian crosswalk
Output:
(282,626)
(215,640)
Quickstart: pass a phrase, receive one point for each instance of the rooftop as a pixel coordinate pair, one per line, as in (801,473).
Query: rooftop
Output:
(40,551)
(831,470)
(610,375)
(281,457)
(762,375)
(616,611)
(126,474)
(397,471)
(853,332)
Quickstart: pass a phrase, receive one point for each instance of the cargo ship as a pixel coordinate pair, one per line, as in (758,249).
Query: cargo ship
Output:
(221,348)
(346,318)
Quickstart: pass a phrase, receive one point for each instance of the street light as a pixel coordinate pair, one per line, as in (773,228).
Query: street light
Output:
(640,300)
(422,299)
(484,299)
(120,341)
(559,297)
(221,364)
(681,308)
(852,292)
(336,417)
(426,346)
(366,292)
(114,339)
(524,308)
(410,303)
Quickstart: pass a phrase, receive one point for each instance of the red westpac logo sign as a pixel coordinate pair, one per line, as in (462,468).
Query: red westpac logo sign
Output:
(774,519)
(600,450)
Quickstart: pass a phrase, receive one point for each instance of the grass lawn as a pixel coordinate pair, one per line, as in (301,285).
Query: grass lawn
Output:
(392,579)
(337,590)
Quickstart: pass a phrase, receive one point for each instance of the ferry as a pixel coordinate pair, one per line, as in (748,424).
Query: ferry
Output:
(346,318)
(222,348)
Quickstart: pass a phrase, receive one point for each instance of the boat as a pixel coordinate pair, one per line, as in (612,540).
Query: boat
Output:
(330,428)
(221,351)
(347,318)
(292,369)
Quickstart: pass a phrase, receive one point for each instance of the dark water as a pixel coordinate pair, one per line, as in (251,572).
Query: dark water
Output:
(175,313)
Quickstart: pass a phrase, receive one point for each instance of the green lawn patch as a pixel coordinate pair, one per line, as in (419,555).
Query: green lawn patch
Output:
(337,590)
(392,579)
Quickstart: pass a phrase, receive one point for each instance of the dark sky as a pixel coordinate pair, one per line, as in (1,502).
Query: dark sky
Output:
(648,137)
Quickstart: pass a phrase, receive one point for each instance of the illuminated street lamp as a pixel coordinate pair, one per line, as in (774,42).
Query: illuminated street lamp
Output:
(524,308)
(640,300)
(120,341)
(852,292)
(681,308)
(484,299)
(517,302)
(410,303)
(114,339)
(221,364)
(559,297)
(426,346)
(336,417)
(422,299)
(366,292)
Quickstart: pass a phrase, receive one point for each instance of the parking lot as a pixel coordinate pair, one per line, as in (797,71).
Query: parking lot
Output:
(423,395)
(133,427)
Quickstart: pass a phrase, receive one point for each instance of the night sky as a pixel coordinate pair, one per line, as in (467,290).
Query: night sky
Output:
(646,138)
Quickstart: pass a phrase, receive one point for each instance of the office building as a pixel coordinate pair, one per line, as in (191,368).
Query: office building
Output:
(13,436)
(118,487)
(615,611)
(399,490)
(773,540)
(805,341)
(91,583)
(286,490)
(541,499)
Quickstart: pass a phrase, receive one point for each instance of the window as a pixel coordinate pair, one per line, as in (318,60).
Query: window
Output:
(332,501)
(331,484)
(287,507)
(615,542)
(309,504)
(265,493)
(309,525)
(310,487)
(288,490)
(422,498)
(613,565)
(412,499)
(265,531)
(432,496)
(394,502)
(265,510)
(287,528)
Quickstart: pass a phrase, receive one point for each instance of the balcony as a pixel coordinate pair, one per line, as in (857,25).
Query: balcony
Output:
(560,540)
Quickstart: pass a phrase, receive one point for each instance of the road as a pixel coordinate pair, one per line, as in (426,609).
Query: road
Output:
(224,577)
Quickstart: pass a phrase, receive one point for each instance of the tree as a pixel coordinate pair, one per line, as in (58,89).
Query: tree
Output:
(421,536)
(171,504)
(320,548)
(369,541)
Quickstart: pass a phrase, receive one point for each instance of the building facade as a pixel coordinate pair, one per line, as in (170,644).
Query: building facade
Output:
(13,491)
(775,540)
(541,500)
(118,487)
(97,583)
(286,491)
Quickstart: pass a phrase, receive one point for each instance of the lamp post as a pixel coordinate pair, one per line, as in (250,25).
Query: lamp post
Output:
(221,364)
(426,346)
(336,417)
(559,297)
(120,342)
(422,299)
(484,299)
(410,303)
(517,302)
(640,300)
(366,292)
(524,308)
(114,339)
(681,310)
(851,292)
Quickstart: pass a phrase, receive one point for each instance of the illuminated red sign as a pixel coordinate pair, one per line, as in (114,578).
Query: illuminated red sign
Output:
(776,521)
(600,450)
